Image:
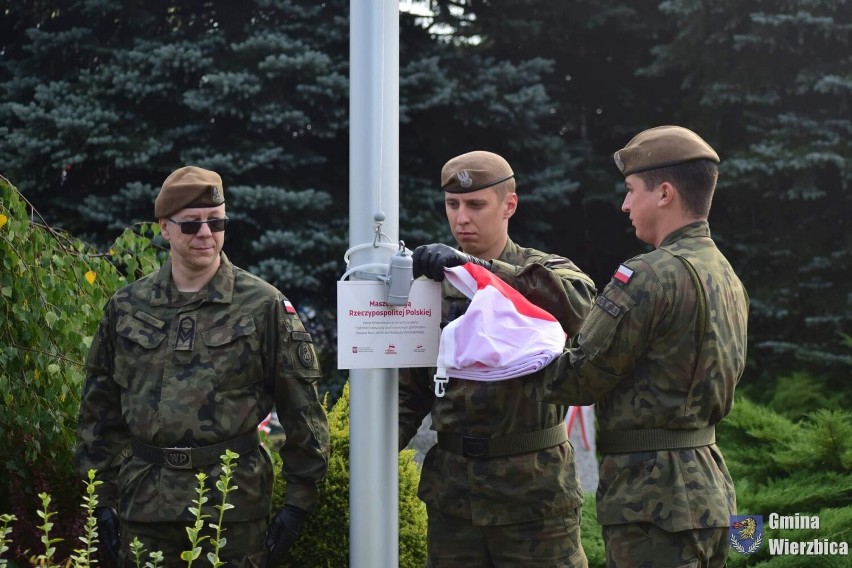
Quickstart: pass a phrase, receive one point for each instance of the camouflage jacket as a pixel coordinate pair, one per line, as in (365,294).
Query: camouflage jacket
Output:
(188,370)
(488,490)
(638,357)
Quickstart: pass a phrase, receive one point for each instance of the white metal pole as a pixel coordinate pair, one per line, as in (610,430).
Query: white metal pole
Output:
(373,188)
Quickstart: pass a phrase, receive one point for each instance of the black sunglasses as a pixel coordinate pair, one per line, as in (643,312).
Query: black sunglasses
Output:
(192,227)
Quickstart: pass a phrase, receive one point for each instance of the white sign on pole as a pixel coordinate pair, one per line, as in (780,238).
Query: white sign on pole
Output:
(372,334)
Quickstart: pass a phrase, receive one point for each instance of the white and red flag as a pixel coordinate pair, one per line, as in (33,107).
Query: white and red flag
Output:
(502,335)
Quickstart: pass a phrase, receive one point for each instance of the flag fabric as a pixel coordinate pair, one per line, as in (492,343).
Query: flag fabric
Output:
(288,307)
(502,335)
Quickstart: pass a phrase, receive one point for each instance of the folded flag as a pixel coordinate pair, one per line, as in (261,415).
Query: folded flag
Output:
(502,335)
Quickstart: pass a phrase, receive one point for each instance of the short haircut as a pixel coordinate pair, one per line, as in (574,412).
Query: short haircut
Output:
(504,188)
(694,180)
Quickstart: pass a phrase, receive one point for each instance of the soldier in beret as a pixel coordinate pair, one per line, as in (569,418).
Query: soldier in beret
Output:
(660,355)
(501,486)
(185,364)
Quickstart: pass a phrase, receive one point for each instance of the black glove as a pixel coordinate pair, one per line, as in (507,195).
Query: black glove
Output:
(282,533)
(431,260)
(107,520)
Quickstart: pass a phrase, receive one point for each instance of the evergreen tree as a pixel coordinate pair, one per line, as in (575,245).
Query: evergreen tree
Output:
(475,98)
(551,87)
(101,100)
(768,84)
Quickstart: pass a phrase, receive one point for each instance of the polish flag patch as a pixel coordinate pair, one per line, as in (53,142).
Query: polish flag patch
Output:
(288,307)
(623,274)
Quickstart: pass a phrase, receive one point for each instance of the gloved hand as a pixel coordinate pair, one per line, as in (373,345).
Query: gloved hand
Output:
(431,260)
(107,520)
(282,533)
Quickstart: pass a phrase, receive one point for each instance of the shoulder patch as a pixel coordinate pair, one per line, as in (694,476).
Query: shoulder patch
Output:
(288,307)
(306,355)
(556,262)
(301,336)
(608,306)
(623,274)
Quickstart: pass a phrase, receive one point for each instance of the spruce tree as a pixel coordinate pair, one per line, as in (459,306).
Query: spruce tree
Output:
(768,85)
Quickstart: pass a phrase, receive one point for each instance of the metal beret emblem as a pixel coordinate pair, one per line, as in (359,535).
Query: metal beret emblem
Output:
(464,178)
(618,162)
(306,355)
(216,193)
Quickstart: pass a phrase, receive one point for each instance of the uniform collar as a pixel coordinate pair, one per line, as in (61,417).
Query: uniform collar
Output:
(692,230)
(219,290)
(510,252)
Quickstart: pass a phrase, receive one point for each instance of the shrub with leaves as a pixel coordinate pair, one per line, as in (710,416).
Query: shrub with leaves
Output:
(591,535)
(788,467)
(324,540)
(52,291)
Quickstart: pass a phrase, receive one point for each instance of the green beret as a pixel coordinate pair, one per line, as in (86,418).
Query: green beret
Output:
(186,187)
(473,171)
(661,147)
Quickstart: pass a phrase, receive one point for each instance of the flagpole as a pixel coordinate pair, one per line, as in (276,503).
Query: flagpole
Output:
(373,198)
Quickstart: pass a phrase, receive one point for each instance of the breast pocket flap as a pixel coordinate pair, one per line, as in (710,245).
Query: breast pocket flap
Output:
(139,332)
(225,334)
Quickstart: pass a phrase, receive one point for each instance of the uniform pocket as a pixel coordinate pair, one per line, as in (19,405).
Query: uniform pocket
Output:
(234,350)
(137,356)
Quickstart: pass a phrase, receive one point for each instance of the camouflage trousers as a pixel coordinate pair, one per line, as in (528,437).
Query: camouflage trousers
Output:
(243,549)
(644,545)
(553,542)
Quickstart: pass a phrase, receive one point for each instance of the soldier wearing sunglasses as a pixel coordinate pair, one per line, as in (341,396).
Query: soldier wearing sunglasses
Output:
(184,366)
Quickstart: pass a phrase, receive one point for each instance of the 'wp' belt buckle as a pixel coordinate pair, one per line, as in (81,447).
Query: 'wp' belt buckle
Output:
(177,458)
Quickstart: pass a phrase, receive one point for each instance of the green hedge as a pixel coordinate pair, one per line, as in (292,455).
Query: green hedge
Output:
(324,541)
(787,467)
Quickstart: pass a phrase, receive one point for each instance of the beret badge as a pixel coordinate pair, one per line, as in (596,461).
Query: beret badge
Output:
(464,178)
(617,157)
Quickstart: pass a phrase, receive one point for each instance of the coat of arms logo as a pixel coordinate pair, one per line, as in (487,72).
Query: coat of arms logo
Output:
(746,533)
(464,178)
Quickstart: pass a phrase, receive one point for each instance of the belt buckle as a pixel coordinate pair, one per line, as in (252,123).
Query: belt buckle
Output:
(177,458)
(474,447)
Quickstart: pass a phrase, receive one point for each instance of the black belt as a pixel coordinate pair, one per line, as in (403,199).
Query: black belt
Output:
(189,458)
(653,440)
(473,447)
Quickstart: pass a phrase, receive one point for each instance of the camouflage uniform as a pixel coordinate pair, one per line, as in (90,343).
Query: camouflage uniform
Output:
(641,358)
(521,488)
(176,369)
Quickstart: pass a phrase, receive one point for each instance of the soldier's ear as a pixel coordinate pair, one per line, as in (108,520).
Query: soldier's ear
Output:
(164,229)
(667,193)
(511,205)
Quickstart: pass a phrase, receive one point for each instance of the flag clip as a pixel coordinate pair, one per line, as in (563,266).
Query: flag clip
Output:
(441,380)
